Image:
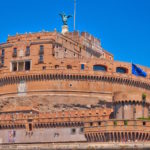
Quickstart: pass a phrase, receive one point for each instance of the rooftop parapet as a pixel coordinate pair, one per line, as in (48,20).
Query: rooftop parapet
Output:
(86,39)
(31,36)
(18,113)
(131,96)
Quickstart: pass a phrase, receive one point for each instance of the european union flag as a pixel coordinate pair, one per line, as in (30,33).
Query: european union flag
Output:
(138,71)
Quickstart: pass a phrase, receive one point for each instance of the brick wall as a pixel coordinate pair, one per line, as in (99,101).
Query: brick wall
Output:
(42,135)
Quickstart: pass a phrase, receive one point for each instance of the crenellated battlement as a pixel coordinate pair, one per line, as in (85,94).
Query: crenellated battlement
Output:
(23,116)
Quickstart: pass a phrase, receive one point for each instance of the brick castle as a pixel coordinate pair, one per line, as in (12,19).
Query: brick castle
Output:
(60,88)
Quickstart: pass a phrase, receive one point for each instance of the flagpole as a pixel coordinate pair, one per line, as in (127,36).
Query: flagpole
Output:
(74,15)
(131,68)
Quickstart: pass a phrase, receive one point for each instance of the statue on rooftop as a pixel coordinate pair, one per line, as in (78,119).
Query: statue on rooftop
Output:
(64,18)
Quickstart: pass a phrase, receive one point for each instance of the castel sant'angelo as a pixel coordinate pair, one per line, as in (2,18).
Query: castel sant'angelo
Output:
(64,88)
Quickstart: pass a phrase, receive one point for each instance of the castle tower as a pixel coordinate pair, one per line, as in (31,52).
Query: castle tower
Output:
(131,105)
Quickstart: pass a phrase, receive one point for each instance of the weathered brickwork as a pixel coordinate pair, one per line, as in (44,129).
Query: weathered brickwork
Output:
(28,125)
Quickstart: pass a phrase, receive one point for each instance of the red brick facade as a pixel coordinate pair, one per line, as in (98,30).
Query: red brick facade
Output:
(50,72)
(52,63)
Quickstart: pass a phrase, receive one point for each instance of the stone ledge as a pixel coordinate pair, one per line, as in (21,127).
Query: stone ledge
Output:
(80,146)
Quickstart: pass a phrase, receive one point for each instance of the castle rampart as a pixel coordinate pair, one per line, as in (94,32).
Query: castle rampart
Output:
(118,131)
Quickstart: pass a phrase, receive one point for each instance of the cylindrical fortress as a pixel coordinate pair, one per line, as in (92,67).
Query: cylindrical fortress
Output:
(50,71)
(62,78)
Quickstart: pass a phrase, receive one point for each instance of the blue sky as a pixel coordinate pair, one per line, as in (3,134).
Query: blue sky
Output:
(122,25)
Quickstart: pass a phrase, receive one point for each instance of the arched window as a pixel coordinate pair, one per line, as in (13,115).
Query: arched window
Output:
(99,68)
(121,70)
(56,66)
(69,67)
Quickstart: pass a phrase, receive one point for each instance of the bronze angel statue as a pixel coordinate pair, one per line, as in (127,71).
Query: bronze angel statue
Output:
(64,18)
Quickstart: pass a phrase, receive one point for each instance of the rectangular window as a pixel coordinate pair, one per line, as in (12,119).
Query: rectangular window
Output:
(15,52)
(27,65)
(3,52)
(27,51)
(14,66)
(82,66)
(41,49)
(41,59)
(20,66)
